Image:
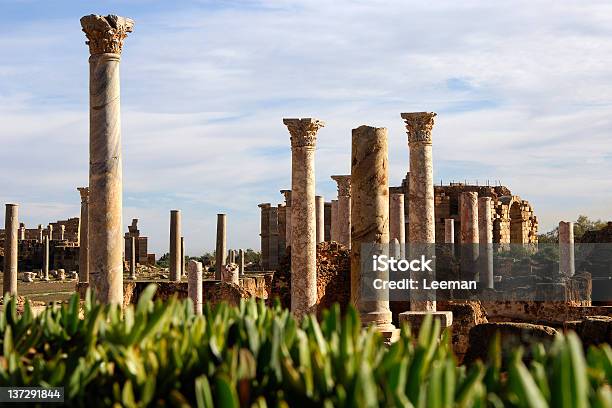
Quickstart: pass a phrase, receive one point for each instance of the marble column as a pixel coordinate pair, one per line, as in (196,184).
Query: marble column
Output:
(105,35)
(182,256)
(370,223)
(22,231)
(566,249)
(334,220)
(303,215)
(11,244)
(344,209)
(221,250)
(194,285)
(62,232)
(265,236)
(40,233)
(485,238)
(468,211)
(84,236)
(50,232)
(175,245)
(397,223)
(133,257)
(273,238)
(282,230)
(45,265)
(449,231)
(421,217)
(287,195)
(320,218)
(241,262)
(327,221)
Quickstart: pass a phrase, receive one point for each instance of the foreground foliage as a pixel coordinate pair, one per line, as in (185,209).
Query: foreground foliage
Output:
(162,354)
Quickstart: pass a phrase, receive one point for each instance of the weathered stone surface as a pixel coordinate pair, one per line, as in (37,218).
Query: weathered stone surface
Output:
(175,245)
(397,222)
(221,250)
(84,235)
(11,227)
(449,231)
(343,224)
(465,316)
(230,273)
(485,237)
(320,218)
(566,249)
(194,285)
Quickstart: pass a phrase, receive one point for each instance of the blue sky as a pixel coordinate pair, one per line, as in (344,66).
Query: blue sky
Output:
(522,90)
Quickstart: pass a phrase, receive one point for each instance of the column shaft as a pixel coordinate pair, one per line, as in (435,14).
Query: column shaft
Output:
(45,270)
(241,262)
(84,236)
(566,249)
(133,257)
(485,237)
(265,236)
(397,222)
(449,231)
(334,220)
(11,238)
(273,238)
(468,208)
(320,218)
(194,285)
(221,249)
(175,245)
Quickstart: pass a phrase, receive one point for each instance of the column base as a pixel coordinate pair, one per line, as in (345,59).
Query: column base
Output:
(415,319)
(381,321)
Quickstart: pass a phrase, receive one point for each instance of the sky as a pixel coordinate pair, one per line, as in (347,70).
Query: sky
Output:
(523,92)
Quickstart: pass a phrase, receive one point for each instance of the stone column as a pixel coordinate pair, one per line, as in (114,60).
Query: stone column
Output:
(194,285)
(133,257)
(370,223)
(468,211)
(241,262)
(11,232)
(175,245)
(344,209)
(485,237)
(327,222)
(282,230)
(62,232)
(449,231)
(45,268)
(273,238)
(303,223)
(265,236)
(22,231)
(221,249)
(40,233)
(334,220)
(182,256)
(320,218)
(105,36)
(50,232)
(397,223)
(287,194)
(84,236)
(566,249)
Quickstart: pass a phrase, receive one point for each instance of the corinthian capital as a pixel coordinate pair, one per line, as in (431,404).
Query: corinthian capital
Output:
(418,126)
(105,34)
(303,131)
(344,185)
(84,193)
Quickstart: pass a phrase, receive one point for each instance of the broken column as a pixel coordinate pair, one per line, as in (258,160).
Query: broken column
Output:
(40,233)
(241,262)
(105,36)
(11,232)
(334,220)
(287,195)
(265,235)
(175,245)
(50,232)
(221,249)
(194,285)
(303,223)
(370,223)
(84,236)
(22,232)
(133,258)
(468,211)
(344,209)
(320,218)
(397,223)
(421,216)
(62,232)
(566,249)
(327,221)
(273,238)
(485,237)
(449,231)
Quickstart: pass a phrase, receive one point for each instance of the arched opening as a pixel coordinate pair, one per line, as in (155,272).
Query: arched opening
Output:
(516,224)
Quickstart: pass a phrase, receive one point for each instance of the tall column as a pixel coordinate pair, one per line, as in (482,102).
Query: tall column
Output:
(370,222)
(287,195)
(221,249)
(62,232)
(320,218)
(334,220)
(265,235)
(22,231)
(449,231)
(40,233)
(468,211)
(105,36)
(11,232)
(327,221)
(84,236)
(282,230)
(344,209)
(194,285)
(566,249)
(175,245)
(397,224)
(45,267)
(421,217)
(303,223)
(50,232)
(182,256)
(273,238)
(133,257)
(485,237)
(241,262)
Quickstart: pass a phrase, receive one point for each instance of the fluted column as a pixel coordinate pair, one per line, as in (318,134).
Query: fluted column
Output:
(320,218)
(265,235)
(194,285)
(84,236)
(221,250)
(397,223)
(566,249)
(303,215)
(11,235)
(287,195)
(468,211)
(334,220)
(105,36)
(370,222)
(344,209)
(175,245)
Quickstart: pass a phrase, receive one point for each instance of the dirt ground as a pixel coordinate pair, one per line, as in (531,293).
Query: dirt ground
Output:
(43,291)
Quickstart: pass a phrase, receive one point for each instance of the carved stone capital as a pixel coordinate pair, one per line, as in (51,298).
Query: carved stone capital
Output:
(84,193)
(105,34)
(344,185)
(303,131)
(418,126)
(264,206)
(287,194)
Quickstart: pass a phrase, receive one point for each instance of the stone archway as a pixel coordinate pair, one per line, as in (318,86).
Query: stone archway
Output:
(516,223)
